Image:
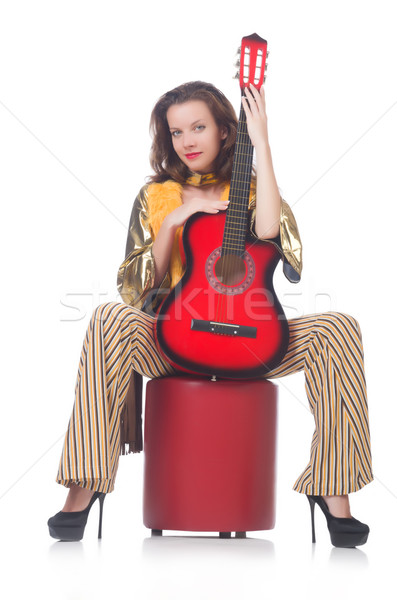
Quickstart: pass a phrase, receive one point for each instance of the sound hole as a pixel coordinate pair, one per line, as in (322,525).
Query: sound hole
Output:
(230,269)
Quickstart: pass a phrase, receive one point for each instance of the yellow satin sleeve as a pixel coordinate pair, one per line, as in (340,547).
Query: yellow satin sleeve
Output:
(135,277)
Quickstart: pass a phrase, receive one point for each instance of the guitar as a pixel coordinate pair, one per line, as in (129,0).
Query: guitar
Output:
(223,317)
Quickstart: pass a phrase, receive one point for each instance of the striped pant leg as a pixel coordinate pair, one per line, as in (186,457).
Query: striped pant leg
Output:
(119,338)
(328,348)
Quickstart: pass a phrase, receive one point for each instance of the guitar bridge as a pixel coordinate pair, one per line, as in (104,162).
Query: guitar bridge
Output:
(216,328)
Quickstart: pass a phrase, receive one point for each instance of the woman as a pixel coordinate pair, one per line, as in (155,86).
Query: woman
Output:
(194,132)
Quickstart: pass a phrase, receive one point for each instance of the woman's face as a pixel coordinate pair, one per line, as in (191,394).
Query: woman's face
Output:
(195,135)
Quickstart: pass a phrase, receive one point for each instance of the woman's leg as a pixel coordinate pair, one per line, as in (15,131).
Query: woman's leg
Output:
(328,348)
(119,338)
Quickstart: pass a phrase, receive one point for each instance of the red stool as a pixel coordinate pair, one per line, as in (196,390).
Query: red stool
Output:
(209,455)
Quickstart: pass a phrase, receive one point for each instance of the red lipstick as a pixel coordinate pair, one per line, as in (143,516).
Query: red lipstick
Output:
(192,155)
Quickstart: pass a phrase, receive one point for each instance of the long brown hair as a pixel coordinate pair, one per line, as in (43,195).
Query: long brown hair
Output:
(163,159)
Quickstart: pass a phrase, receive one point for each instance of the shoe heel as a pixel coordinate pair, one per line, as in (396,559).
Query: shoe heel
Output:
(312,506)
(101,501)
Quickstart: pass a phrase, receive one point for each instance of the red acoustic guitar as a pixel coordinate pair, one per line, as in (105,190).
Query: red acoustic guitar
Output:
(223,317)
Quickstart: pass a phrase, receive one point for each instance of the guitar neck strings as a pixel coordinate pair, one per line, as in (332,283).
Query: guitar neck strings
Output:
(233,244)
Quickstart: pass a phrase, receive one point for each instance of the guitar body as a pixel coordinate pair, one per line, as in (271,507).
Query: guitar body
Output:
(223,317)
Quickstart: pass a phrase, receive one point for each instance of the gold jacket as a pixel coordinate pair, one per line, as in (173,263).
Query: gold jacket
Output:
(136,273)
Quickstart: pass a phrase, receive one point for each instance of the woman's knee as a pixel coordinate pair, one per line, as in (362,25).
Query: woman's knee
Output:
(341,322)
(111,310)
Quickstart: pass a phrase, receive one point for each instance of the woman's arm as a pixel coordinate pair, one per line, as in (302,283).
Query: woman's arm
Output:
(268,201)
(136,273)
(162,247)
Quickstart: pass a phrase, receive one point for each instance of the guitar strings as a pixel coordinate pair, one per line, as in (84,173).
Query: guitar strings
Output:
(236,221)
(241,175)
(235,231)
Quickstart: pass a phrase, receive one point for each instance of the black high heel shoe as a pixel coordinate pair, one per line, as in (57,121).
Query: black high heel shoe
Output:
(345,533)
(69,526)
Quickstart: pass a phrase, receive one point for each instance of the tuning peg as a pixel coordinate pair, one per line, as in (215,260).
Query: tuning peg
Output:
(267,54)
(238,50)
(266,67)
(237,63)
(237,75)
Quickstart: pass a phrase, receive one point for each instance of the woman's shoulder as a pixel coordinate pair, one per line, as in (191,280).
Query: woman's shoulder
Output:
(157,200)
(163,185)
(153,197)
(162,192)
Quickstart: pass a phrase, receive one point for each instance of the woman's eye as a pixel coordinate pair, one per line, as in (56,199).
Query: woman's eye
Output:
(175,133)
(200,127)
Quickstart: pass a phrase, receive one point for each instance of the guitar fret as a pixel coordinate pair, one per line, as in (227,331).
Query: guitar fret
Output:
(237,189)
(240,221)
(241,178)
(235,245)
(238,215)
(235,235)
(238,202)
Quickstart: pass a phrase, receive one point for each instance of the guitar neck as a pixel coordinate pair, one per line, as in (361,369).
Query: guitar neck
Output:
(237,212)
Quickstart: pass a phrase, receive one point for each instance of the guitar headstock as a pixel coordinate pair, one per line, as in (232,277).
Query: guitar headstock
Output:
(252,63)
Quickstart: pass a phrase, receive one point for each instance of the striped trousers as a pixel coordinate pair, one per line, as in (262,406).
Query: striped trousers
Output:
(327,347)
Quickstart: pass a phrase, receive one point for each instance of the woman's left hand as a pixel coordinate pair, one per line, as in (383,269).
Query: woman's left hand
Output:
(255,110)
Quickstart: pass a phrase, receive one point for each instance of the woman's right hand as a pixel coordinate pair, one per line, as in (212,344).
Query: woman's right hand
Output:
(179,216)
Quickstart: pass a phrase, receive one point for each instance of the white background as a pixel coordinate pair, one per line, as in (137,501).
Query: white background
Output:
(78,81)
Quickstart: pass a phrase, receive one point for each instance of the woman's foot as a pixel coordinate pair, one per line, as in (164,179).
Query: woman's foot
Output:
(77,499)
(70,524)
(345,530)
(338,506)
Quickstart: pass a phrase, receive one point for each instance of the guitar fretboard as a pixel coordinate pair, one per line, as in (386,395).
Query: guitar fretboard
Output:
(237,213)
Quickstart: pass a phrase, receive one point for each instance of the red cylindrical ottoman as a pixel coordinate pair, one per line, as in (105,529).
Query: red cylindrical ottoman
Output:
(209,455)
